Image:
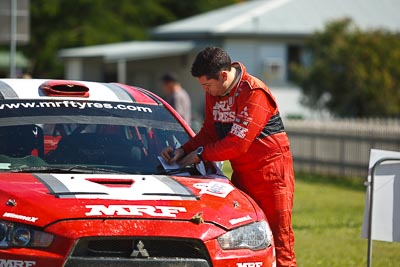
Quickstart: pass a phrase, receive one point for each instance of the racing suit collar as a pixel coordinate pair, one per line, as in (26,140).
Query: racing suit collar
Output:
(235,82)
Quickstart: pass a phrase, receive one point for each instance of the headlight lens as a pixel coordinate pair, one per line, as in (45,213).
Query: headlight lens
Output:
(254,236)
(20,235)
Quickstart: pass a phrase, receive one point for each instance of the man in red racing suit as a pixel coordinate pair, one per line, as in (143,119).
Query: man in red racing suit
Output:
(242,124)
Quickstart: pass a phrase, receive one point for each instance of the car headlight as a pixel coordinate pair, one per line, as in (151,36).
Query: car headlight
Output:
(20,235)
(254,236)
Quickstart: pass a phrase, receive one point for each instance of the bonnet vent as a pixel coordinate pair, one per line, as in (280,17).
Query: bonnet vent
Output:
(64,88)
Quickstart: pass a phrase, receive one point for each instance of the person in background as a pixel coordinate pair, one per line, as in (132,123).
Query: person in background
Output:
(176,96)
(242,124)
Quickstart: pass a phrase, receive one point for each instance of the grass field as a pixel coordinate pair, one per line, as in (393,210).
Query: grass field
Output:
(327,220)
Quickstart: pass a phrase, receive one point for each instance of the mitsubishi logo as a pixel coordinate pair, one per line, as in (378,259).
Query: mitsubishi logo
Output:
(140,252)
(244,112)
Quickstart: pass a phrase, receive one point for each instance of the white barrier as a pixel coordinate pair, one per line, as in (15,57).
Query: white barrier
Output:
(382,203)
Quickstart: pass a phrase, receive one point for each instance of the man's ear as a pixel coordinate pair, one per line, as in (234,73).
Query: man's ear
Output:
(224,75)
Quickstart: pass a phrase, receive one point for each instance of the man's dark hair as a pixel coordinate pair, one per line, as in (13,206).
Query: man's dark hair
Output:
(210,62)
(169,77)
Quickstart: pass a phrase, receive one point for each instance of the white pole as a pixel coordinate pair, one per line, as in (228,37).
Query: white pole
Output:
(371,203)
(121,68)
(13,37)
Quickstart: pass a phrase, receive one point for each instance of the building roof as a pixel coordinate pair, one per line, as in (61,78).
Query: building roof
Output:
(256,17)
(283,17)
(135,50)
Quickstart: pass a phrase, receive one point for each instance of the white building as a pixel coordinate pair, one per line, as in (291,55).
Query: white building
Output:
(265,35)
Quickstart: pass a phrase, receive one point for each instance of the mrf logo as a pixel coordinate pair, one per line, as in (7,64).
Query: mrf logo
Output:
(249,264)
(133,210)
(16,263)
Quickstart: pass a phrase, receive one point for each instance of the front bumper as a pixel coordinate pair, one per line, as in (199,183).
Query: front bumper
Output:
(103,243)
(104,262)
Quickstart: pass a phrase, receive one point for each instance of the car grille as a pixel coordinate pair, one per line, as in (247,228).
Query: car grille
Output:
(138,251)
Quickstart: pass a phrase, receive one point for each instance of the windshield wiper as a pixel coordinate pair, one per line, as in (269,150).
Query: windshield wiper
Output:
(89,169)
(191,169)
(175,171)
(73,169)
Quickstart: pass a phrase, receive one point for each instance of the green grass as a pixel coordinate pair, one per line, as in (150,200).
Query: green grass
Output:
(327,220)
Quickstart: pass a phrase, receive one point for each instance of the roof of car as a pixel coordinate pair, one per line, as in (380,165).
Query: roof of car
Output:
(96,91)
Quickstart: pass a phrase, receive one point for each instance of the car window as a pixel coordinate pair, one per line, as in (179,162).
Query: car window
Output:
(114,136)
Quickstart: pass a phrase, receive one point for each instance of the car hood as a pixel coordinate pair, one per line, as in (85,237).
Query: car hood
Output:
(41,199)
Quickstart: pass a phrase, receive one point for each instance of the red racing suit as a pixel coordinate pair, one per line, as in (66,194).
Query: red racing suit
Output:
(245,128)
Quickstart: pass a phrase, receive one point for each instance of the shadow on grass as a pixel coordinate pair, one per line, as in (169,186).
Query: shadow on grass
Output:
(355,183)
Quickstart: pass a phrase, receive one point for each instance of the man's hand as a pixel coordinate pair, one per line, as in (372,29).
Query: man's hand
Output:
(171,156)
(189,159)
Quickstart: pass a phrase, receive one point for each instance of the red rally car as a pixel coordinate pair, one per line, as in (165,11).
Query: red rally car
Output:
(82,184)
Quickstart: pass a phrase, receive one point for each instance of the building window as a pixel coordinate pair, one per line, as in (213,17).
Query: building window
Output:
(296,55)
(273,69)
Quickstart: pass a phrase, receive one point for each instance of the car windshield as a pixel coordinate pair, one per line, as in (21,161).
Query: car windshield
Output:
(77,135)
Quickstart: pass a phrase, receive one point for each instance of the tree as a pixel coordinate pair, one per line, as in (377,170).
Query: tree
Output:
(58,24)
(352,73)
